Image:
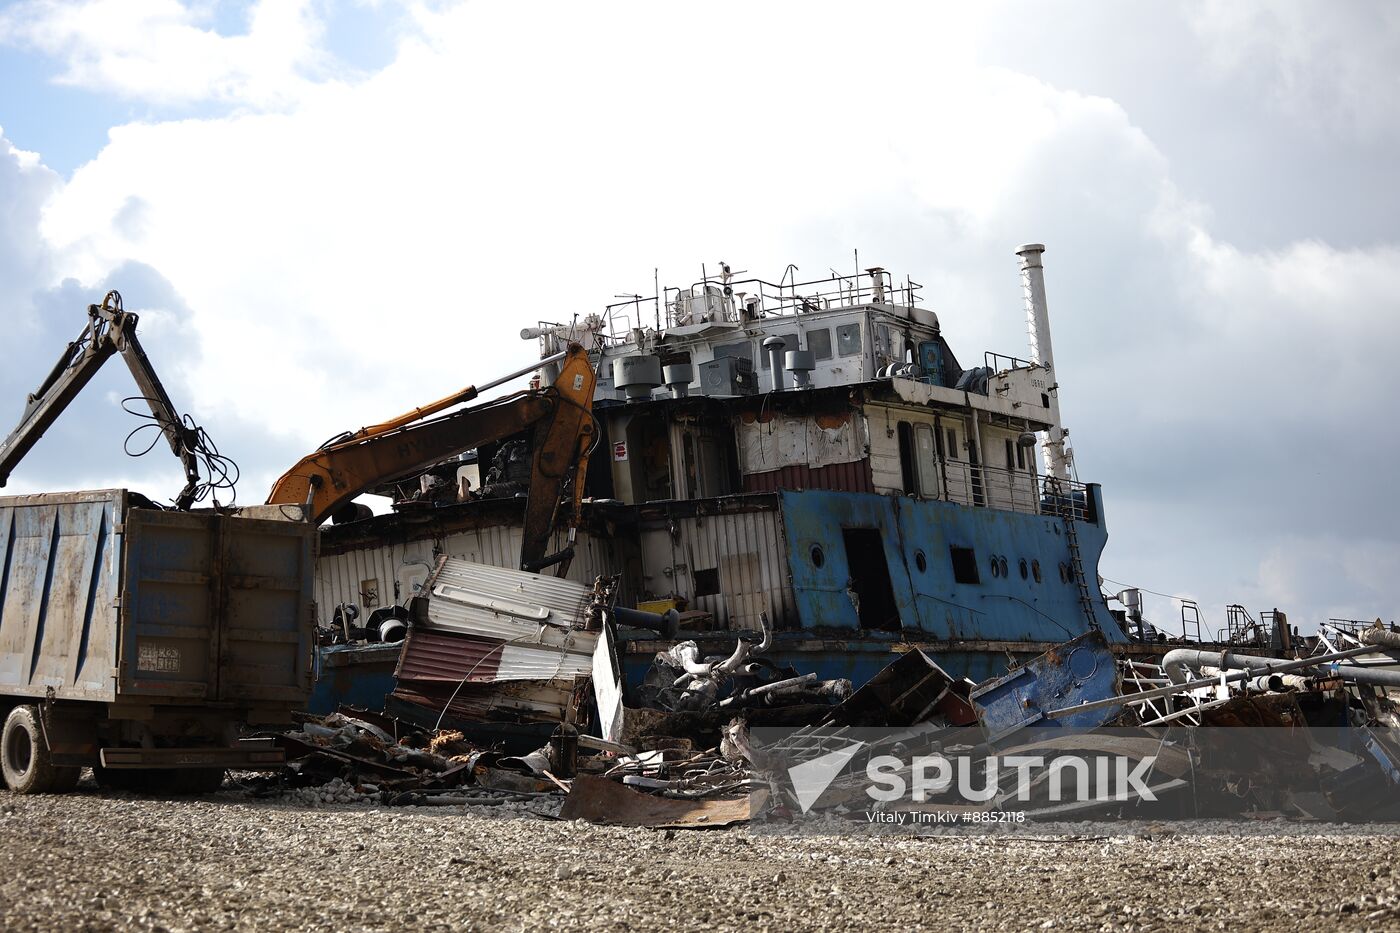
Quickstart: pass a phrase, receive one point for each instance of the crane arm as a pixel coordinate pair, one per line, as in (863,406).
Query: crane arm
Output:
(109,330)
(561,416)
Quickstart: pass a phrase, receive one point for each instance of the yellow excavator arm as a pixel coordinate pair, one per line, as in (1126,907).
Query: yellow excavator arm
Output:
(564,433)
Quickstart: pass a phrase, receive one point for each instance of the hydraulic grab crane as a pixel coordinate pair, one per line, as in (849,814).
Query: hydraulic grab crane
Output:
(109,330)
(564,433)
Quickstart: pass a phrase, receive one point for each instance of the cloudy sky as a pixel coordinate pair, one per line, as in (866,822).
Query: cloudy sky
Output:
(328,212)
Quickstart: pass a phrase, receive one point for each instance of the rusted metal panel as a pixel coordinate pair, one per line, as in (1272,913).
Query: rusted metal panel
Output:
(456,658)
(521,701)
(837,477)
(603,800)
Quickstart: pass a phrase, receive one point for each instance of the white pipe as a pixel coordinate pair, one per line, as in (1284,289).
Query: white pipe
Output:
(1038,327)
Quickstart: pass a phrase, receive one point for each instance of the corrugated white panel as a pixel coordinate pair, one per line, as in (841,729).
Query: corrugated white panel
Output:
(339,577)
(519,662)
(511,605)
(747,549)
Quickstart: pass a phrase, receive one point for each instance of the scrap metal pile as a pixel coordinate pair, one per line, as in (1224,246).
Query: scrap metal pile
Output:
(510,690)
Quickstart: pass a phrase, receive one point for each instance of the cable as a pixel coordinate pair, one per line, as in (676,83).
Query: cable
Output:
(1129,586)
(220,471)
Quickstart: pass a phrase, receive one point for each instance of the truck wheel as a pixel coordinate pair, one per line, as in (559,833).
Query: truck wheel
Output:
(24,756)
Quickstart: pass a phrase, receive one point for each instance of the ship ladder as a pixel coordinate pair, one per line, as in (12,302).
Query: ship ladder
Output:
(1064,505)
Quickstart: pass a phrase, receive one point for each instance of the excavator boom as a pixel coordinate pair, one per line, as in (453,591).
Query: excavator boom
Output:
(560,414)
(109,330)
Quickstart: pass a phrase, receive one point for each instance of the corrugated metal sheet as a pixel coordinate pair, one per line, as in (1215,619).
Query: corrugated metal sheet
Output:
(500,645)
(509,605)
(836,477)
(397,568)
(744,552)
(445,656)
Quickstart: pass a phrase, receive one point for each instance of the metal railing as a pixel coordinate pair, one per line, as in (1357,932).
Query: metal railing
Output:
(1065,498)
(722,298)
(1001,362)
(1015,490)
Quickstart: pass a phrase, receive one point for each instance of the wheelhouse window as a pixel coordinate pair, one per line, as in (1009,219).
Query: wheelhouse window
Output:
(742,350)
(848,340)
(926,460)
(819,342)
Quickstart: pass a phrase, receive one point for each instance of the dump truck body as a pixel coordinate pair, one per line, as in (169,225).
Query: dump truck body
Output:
(148,637)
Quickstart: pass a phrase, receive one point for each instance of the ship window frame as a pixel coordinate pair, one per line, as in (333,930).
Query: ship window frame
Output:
(952,445)
(926,459)
(921,561)
(845,346)
(964,561)
(817,556)
(739,349)
(819,347)
(908,467)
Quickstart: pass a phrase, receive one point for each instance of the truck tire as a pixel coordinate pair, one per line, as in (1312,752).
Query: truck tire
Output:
(24,756)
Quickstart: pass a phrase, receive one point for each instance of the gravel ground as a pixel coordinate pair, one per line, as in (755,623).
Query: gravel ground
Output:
(110,861)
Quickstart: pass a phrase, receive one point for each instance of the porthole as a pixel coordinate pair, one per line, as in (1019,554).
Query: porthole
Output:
(1004,571)
(920,561)
(1035,570)
(818,556)
(1024,570)
(996,566)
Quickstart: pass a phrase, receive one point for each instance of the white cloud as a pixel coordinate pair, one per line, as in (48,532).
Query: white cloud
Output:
(1331,66)
(163,52)
(381,243)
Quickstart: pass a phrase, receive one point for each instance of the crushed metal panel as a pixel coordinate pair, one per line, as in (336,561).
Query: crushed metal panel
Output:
(516,701)
(1079,671)
(493,602)
(602,800)
(909,690)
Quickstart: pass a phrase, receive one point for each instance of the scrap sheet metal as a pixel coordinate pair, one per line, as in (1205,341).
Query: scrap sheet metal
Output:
(601,800)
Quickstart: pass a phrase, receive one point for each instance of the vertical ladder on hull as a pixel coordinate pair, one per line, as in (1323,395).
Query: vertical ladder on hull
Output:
(1064,505)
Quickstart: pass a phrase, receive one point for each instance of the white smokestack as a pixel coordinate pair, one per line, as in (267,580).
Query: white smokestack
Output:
(1038,326)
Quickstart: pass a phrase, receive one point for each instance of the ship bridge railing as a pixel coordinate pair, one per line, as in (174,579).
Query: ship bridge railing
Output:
(1015,490)
(725,299)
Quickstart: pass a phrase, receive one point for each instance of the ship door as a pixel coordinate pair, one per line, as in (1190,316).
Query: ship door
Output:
(869,582)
